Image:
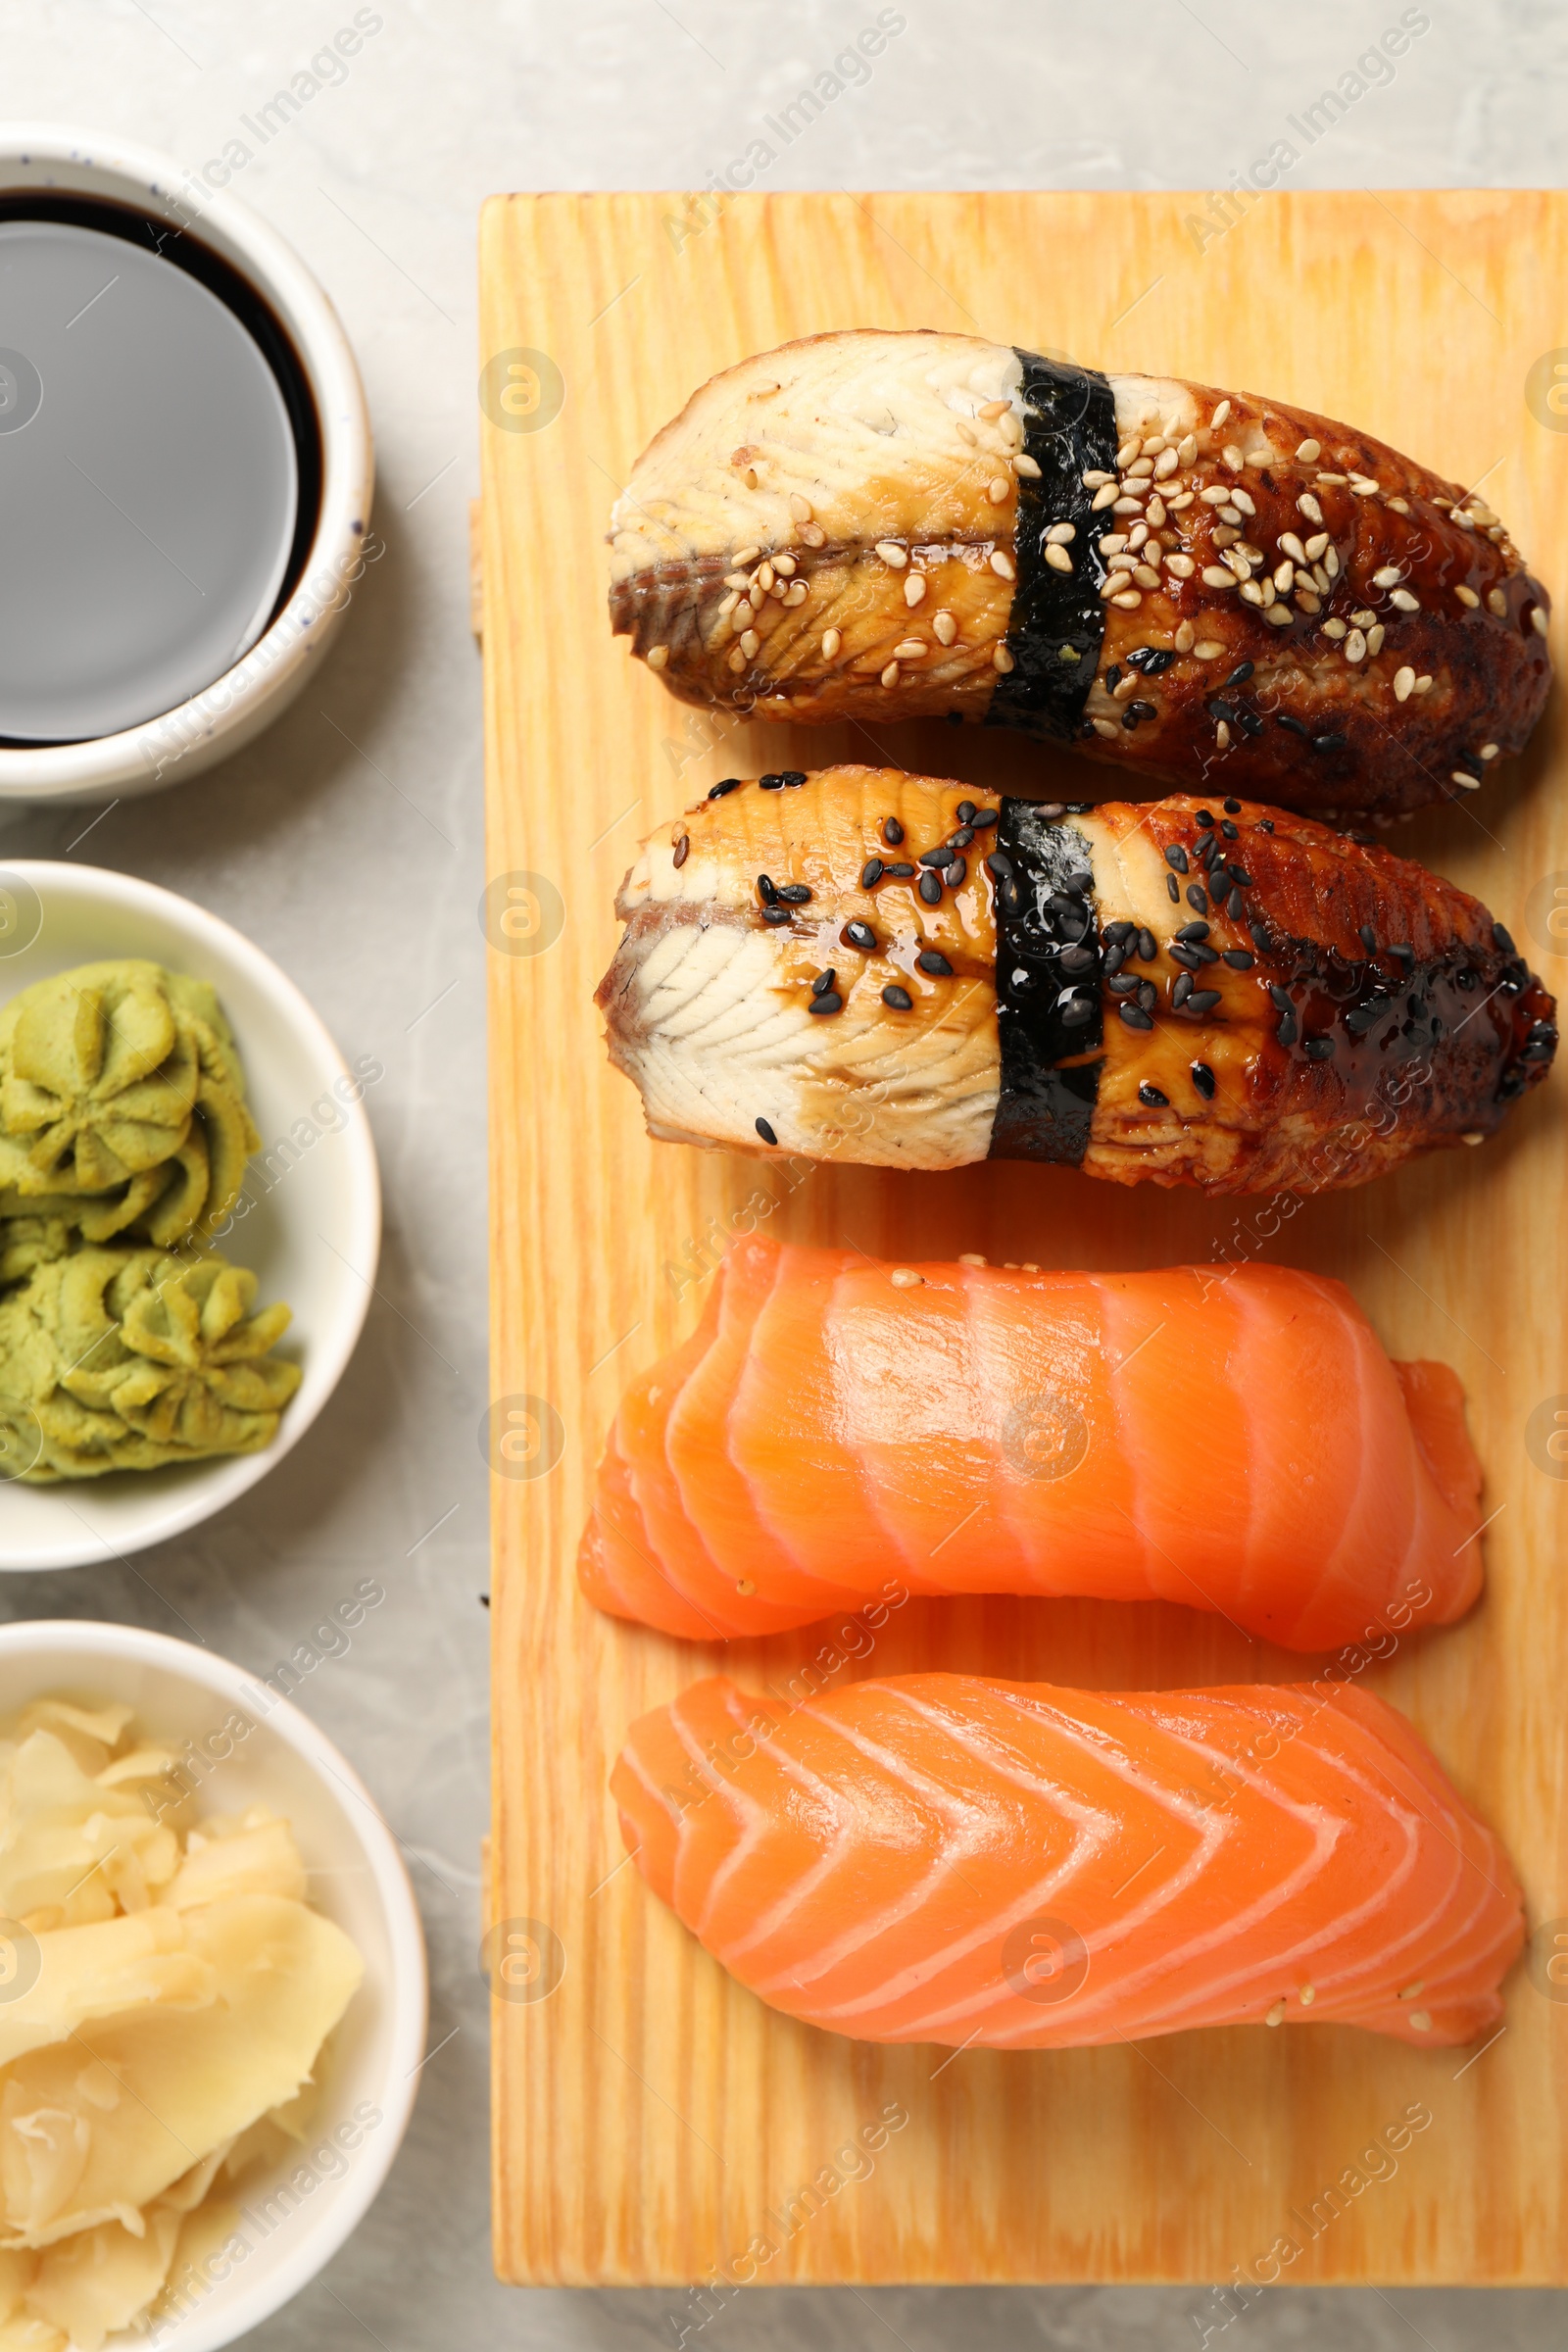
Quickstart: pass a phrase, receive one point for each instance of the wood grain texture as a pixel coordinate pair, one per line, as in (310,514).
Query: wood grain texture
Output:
(653,2121)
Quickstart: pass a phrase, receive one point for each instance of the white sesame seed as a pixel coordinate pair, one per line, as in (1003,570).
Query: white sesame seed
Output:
(1182,567)
(890,676)
(1061,534)
(745,555)
(1114,584)
(1308,599)
(1002,659)
(1497,602)
(1403,683)
(1400,506)
(1474,1135)
(1333,628)
(1320,579)
(1165,464)
(1231,515)
(1058,556)
(1181,502)
(911,649)
(1374,636)
(915,588)
(729,604)
(945,627)
(1222,736)
(1153,445)
(1355,647)
(832,639)
(1186,637)
(1338,479)
(1309,452)
(1002,565)
(905,1278)
(658,656)
(1216,495)
(1330,561)
(1283,575)
(1156,510)
(1362,487)
(1363,620)
(1128,503)
(1467,596)
(797,593)
(1146,576)
(1125,688)
(1466,783)
(750,643)
(1316,544)
(1243,499)
(1424,685)
(1113,543)
(1219,415)
(1106,727)
(1187,449)
(971,1258)
(893,554)
(1139,470)
(1138,535)
(1307,505)
(1405,601)
(1462,519)
(737,661)
(1290,546)
(1537,621)
(1214,575)
(1233,457)
(1236,560)
(799,508)
(786,565)
(1250,593)
(989,408)
(736,580)
(1126,454)
(1489,750)
(1209,649)
(1129,599)
(1103,497)
(1010,431)
(1276,2016)
(998,489)
(813,534)
(1024,464)
(1278,616)
(966,433)
(1096,479)
(1388,576)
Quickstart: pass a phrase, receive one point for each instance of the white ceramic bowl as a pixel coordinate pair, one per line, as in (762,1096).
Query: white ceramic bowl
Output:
(312,1234)
(42,156)
(357,1878)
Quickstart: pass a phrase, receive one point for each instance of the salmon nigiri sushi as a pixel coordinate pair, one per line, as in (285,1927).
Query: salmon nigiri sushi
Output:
(1234,1438)
(944,1858)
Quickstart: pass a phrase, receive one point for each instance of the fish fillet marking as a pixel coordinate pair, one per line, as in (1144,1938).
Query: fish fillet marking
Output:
(1057,620)
(1048,973)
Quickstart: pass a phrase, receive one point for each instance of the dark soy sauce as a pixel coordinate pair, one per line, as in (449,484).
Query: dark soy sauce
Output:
(160,467)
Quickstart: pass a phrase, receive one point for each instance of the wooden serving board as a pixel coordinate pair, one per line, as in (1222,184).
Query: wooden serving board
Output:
(653,2121)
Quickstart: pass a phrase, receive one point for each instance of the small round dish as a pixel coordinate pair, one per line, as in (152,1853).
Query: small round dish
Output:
(308,1223)
(247,1746)
(49,169)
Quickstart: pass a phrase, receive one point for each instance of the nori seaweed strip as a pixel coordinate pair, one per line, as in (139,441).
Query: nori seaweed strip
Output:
(1057,622)
(1044,1113)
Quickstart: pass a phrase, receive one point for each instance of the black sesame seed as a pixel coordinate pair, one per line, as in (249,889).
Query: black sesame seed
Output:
(1228,829)
(1115,957)
(1502,938)
(1080,882)
(1233,906)
(730,784)
(899,998)
(794,894)
(898,870)
(1240,875)
(1407,956)
(932,961)
(823,982)
(1077,960)
(794,776)
(683,849)
(1151,661)
(1288,1030)
(1205,817)
(1171,886)
(956,870)
(1204,1080)
(892,831)
(1075,1014)
(1055,808)
(1182,990)
(1182,951)
(999,864)
(1265,824)
(1319,1049)
(1148,995)
(1239,674)
(1233,807)
(1198,896)
(939,857)
(1240,959)
(1283,718)
(829,1001)
(1137,710)
(776,915)
(1147,949)
(1192,931)
(1368,938)
(861,935)
(1282,997)
(982,820)
(1202,999)
(1152,1097)
(965,811)
(961,838)
(770,783)
(930,888)
(1124,984)
(1219,708)
(1120,934)
(765,1131)
(1329,743)
(766,891)
(1135,1016)
(870,873)
(1176,857)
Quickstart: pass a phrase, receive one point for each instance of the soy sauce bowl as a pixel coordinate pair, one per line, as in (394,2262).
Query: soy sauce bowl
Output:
(308,1223)
(77,176)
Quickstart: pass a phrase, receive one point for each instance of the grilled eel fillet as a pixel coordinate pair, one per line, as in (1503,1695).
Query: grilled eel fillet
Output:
(872,525)
(879,967)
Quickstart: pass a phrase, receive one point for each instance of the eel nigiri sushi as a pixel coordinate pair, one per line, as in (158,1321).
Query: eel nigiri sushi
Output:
(939,1857)
(1235,1440)
(873,966)
(872,527)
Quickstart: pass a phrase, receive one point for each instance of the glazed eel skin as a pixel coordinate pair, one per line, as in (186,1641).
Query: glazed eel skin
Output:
(906,525)
(905,973)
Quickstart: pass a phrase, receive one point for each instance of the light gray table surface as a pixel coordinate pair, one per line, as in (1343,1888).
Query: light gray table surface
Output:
(348,843)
